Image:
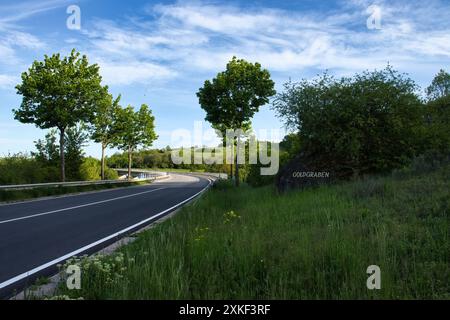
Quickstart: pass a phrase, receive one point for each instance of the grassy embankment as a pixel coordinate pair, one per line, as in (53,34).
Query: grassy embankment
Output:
(16,195)
(312,244)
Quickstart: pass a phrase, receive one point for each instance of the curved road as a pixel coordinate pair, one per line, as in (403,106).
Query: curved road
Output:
(36,235)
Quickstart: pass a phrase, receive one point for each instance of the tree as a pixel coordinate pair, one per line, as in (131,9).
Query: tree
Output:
(235,95)
(438,125)
(59,93)
(372,122)
(75,140)
(134,129)
(47,149)
(103,125)
(440,87)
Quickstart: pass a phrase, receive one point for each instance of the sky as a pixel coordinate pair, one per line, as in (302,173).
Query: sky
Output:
(161,52)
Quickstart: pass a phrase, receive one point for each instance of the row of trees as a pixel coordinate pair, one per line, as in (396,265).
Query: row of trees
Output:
(63,92)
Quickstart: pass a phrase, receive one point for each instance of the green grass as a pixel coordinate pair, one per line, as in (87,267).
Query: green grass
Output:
(16,195)
(315,244)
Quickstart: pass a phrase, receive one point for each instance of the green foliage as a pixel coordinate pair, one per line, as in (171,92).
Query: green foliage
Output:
(104,126)
(75,141)
(438,125)
(59,93)
(90,169)
(134,129)
(47,149)
(235,95)
(24,169)
(440,87)
(254,176)
(111,174)
(370,123)
(48,154)
(290,145)
(103,123)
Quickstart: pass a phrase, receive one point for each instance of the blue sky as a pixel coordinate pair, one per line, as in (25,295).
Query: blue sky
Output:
(160,52)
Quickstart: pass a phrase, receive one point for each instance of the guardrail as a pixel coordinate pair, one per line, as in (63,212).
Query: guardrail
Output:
(211,174)
(147,176)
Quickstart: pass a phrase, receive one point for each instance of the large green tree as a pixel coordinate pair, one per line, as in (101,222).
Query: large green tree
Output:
(234,96)
(372,122)
(134,129)
(103,125)
(58,93)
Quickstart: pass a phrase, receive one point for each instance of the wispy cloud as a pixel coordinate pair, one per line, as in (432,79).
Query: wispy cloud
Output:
(191,38)
(8,81)
(131,72)
(197,37)
(21,10)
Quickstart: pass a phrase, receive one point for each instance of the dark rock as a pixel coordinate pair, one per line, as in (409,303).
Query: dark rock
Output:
(306,171)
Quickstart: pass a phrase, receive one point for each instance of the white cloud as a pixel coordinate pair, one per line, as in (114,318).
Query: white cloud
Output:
(131,72)
(8,81)
(25,9)
(198,37)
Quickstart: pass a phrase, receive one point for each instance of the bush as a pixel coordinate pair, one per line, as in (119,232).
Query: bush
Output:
(90,169)
(370,123)
(438,129)
(23,169)
(223,184)
(111,174)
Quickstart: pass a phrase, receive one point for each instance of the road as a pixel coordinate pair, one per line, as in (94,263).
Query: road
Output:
(37,235)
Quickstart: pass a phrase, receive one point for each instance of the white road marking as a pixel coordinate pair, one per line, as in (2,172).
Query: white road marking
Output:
(87,247)
(77,207)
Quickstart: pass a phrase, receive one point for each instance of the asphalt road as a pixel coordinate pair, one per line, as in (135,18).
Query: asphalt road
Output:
(36,235)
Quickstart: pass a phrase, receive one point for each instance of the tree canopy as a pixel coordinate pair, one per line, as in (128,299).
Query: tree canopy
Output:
(58,93)
(134,129)
(371,122)
(440,87)
(235,95)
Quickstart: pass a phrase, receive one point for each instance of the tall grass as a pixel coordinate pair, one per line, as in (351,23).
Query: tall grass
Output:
(253,243)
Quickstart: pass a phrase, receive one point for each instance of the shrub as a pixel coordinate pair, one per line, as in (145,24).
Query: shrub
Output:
(111,174)
(372,122)
(90,169)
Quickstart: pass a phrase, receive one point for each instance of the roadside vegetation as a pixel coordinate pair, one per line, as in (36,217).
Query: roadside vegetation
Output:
(253,243)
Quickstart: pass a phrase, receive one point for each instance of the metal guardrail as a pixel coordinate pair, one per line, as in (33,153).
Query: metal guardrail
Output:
(142,175)
(145,176)
(211,174)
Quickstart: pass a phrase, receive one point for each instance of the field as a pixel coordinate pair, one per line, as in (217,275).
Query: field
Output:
(253,243)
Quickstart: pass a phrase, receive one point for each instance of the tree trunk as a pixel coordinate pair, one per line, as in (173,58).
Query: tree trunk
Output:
(103,161)
(236,176)
(129,163)
(62,154)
